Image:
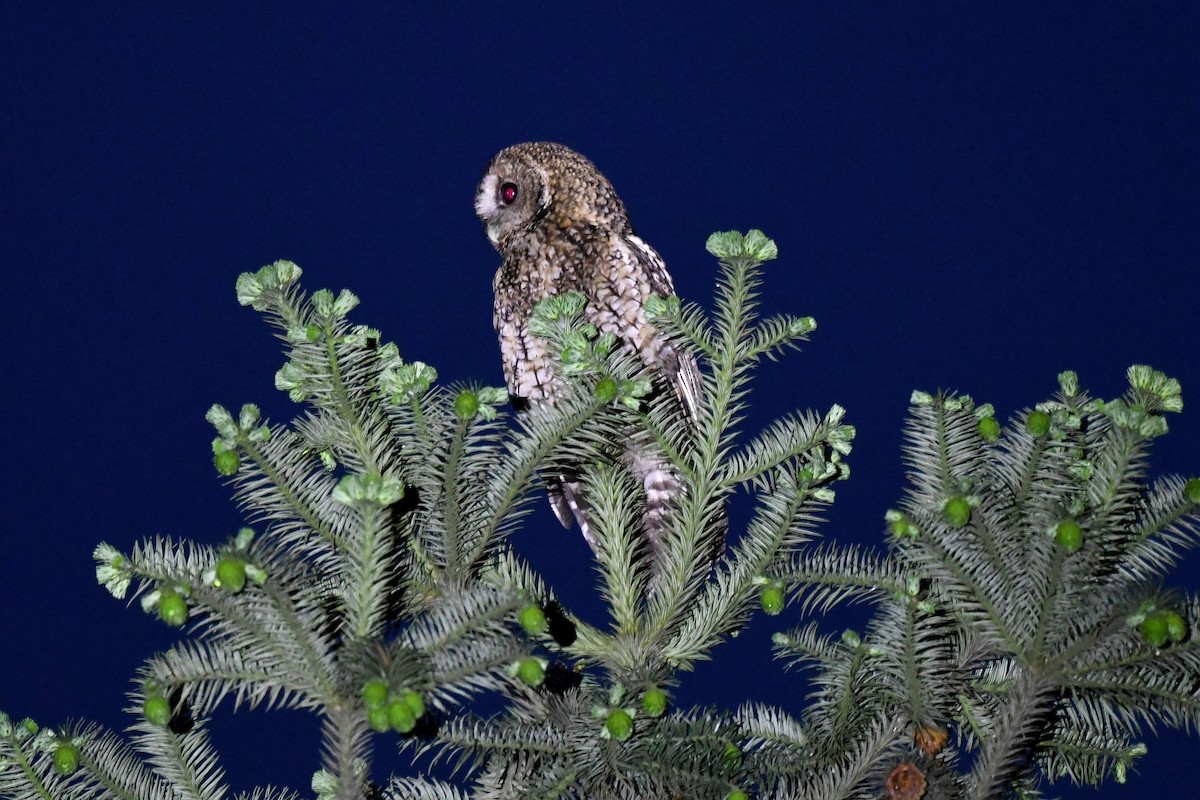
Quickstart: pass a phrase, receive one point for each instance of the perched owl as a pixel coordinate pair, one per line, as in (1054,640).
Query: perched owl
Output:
(560,227)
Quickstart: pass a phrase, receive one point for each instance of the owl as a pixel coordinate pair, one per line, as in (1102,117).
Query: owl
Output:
(560,226)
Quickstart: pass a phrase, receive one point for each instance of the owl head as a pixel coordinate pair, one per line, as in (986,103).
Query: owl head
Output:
(543,183)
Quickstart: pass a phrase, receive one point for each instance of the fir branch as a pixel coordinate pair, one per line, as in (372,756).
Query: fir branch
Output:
(852,773)
(187,761)
(422,789)
(211,672)
(110,768)
(621,559)
(270,793)
(346,745)
(1087,756)
(829,574)
(1006,757)
(1018,610)
(285,486)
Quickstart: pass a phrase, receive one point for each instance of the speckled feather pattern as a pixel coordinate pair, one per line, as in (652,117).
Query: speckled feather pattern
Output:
(578,237)
(560,226)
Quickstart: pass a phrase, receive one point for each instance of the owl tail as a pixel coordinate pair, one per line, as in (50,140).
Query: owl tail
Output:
(661,485)
(568,499)
(663,489)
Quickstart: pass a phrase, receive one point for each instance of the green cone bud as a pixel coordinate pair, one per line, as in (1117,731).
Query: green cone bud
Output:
(619,724)
(1069,535)
(732,756)
(375,693)
(606,390)
(378,719)
(737,794)
(957,511)
(66,759)
(414,701)
(466,404)
(157,710)
(1037,423)
(989,429)
(1191,490)
(899,525)
(231,573)
(1154,630)
(531,671)
(1177,627)
(654,702)
(771,600)
(172,609)
(401,716)
(227,462)
(532,619)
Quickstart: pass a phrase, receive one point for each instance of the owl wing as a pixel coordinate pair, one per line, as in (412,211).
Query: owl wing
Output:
(678,368)
(568,500)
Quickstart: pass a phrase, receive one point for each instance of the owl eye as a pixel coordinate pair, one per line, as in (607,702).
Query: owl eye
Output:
(508,193)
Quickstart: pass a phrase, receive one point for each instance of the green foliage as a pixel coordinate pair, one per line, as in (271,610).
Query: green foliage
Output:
(1021,627)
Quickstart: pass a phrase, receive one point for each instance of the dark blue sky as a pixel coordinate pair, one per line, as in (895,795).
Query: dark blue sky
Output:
(963,198)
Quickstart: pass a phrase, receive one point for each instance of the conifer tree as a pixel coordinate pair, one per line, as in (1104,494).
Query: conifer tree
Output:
(1022,630)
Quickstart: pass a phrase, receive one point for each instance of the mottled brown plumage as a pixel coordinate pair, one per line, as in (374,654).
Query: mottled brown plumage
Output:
(560,227)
